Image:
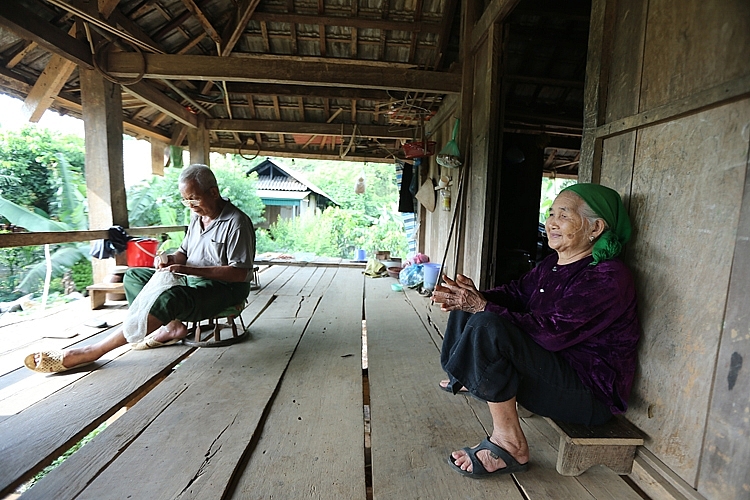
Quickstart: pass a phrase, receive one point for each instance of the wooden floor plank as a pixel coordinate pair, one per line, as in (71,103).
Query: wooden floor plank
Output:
(312,283)
(414,424)
(52,425)
(55,331)
(295,285)
(312,444)
(22,388)
(192,448)
(430,314)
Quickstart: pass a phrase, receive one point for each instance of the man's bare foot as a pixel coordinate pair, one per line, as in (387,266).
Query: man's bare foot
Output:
(175,329)
(73,357)
(519,451)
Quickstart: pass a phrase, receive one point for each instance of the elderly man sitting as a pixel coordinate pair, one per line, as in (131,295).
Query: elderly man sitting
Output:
(217,256)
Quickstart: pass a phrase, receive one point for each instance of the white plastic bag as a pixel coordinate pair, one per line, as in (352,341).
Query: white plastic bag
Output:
(134,326)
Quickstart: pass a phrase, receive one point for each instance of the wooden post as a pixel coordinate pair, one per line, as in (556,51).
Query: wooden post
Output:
(198,143)
(595,90)
(105,181)
(468,18)
(157,157)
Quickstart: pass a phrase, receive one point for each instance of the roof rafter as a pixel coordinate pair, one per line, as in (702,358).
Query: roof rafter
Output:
(306,128)
(189,67)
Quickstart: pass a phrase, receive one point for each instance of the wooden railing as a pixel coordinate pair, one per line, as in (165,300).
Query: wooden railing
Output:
(8,240)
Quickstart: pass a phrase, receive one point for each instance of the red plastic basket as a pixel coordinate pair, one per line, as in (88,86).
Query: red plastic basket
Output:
(417,149)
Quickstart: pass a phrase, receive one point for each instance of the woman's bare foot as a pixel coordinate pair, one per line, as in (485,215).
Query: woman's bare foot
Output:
(518,449)
(444,384)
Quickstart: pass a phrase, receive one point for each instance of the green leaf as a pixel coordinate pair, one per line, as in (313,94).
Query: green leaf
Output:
(24,218)
(62,260)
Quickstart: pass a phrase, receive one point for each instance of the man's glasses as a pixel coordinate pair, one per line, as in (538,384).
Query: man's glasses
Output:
(191,203)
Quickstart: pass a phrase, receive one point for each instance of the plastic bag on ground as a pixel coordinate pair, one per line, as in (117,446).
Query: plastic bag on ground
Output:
(411,276)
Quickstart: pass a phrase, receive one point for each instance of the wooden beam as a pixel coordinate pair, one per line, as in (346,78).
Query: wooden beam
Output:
(348,21)
(234,28)
(11,240)
(26,24)
(189,67)
(495,12)
(445,31)
(551,82)
(155,98)
(179,132)
(203,20)
(18,56)
(133,29)
(47,86)
(318,154)
(305,128)
(718,95)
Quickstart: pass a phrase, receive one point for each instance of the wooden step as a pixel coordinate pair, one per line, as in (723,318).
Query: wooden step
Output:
(99,291)
(612,444)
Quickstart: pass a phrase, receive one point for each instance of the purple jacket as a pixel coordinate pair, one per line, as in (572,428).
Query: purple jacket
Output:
(586,313)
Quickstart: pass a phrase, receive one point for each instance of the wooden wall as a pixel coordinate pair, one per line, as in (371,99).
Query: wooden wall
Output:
(668,126)
(471,249)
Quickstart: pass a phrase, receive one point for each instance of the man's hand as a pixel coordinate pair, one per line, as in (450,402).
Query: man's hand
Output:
(460,294)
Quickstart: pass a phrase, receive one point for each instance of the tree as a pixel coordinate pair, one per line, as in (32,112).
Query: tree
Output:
(29,173)
(69,201)
(162,192)
(367,220)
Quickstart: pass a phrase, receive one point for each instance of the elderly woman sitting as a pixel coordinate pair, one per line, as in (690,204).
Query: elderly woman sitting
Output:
(561,341)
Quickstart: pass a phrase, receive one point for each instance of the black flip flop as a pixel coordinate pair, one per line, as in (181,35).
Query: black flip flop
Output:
(477,469)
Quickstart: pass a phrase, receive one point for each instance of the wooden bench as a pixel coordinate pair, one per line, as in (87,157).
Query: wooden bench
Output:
(98,293)
(612,444)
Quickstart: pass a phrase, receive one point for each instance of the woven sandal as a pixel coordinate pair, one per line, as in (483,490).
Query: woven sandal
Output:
(50,362)
(150,342)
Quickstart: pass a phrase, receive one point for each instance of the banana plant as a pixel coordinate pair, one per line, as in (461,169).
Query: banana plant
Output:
(72,218)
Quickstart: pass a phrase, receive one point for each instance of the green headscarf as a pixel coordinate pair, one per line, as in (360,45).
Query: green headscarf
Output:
(608,205)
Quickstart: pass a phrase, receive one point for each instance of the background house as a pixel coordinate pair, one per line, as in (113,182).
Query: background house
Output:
(287,193)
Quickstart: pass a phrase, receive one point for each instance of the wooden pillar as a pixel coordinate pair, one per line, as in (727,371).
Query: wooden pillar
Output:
(468,19)
(601,37)
(198,143)
(105,182)
(157,157)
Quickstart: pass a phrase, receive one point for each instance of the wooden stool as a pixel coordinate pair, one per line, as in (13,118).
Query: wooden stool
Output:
(255,284)
(214,327)
(98,293)
(612,444)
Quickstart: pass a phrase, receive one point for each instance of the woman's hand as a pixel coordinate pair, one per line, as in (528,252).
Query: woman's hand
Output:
(460,294)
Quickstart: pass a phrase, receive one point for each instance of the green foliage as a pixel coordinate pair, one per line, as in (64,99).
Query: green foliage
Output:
(337,232)
(29,175)
(82,274)
(63,457)
(337,179)
(551,187)
(163,192)
(43,189)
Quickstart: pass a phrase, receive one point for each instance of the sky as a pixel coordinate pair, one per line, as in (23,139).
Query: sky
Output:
(136,153)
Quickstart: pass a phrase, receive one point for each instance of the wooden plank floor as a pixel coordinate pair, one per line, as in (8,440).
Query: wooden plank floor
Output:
(289,413)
